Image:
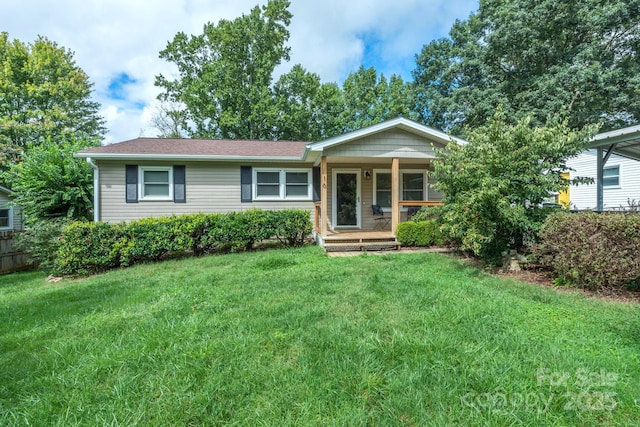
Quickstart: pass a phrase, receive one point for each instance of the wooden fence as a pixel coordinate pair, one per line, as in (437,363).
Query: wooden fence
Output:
(10,258)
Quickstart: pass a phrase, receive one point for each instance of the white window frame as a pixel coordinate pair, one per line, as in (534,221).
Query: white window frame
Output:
(282,183)
(425,187)
(141,183)
(10,222)
(619,184)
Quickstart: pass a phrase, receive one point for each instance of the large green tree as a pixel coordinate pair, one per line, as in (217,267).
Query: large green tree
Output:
(305,108)
(225,74)
(370,98)
(225,86)
(43,95)
(494,186)
(535,57)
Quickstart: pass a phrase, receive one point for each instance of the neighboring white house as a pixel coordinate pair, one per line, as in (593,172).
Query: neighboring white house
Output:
(10,216)
(620,181)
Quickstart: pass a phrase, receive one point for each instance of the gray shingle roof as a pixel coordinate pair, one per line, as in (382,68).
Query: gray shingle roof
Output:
(199,147)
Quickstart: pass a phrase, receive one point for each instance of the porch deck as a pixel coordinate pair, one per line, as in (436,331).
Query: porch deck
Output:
(337,235)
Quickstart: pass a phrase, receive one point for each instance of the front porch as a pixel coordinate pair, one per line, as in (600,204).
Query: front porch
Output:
(380,237)
(368,181)
(345,240)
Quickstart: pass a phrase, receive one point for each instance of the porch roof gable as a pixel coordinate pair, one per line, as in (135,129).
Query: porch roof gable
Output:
(397,123)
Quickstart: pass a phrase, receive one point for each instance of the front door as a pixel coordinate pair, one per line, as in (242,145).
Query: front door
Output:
(346,198)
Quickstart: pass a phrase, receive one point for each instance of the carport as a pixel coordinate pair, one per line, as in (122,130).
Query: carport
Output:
(623,142)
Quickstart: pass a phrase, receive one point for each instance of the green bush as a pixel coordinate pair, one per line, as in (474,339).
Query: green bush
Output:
(86,248)
(291,227)
(151,239)
(427,213)
(421,233)
(41,241)
(495,186)
(591,250)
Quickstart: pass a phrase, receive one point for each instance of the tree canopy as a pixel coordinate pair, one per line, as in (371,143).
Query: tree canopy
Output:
(370,98)
(43,95)
(305,108)
(46,115)
(225,73)
(535,57)
(225,86)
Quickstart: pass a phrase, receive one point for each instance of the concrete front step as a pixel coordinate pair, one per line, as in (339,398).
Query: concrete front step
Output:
(361,246)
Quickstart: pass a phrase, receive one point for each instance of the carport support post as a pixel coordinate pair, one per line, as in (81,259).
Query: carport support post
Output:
(600,181)
(395,196)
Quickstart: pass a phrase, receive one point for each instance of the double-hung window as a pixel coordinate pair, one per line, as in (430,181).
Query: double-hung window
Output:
(611,176)
(382,189)
(413,187)
(267,184)
(282,184)
(156,183)
(297,184)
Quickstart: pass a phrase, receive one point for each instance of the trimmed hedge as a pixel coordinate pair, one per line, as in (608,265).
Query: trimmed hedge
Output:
(88,247)
(592,250)
(419,233)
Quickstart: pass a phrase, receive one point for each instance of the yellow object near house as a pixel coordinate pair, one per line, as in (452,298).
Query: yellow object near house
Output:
(564,197)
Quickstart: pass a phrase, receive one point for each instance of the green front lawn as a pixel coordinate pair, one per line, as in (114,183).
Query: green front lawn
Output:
(291,337)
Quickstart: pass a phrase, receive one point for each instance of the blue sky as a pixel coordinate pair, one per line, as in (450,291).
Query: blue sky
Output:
(117,41)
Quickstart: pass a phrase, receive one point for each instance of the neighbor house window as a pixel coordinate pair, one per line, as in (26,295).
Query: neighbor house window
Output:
(413,186)
(282,184)
(156,183)
(6,220)
(611,176)
(382,189)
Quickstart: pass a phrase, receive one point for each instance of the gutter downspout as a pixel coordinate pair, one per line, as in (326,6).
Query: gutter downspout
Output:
(96,189)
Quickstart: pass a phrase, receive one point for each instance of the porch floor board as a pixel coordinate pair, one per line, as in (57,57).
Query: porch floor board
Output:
(333,235)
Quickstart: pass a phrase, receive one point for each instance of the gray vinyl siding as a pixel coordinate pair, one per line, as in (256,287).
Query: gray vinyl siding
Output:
(584,196)
(388,144)
(210,188)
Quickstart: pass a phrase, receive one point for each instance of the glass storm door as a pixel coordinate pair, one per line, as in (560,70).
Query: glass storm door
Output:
(347,198)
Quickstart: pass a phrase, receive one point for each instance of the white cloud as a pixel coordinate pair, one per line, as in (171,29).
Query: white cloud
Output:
(125,36)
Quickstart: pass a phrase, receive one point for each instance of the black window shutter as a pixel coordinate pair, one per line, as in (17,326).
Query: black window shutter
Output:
(316,184)
(131,179)
(246,178)
(179,187)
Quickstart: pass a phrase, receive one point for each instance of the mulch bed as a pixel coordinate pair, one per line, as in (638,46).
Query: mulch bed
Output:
(541,277)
